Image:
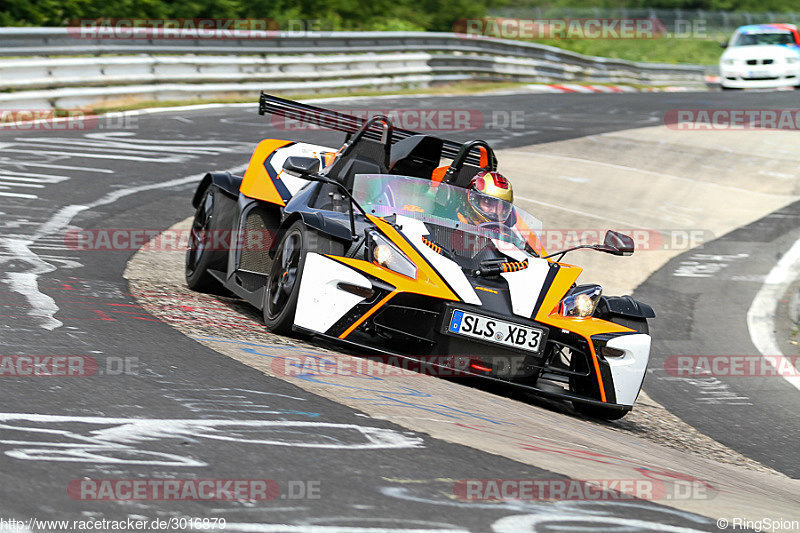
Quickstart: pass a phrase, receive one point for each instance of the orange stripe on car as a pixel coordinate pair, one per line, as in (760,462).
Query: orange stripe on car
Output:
(485,289)
(585,327)
(257,183)
(565,277)
(368,314)
(597,372)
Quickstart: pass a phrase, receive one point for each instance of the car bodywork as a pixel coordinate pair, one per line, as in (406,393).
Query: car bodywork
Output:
(483,302)
(761,56)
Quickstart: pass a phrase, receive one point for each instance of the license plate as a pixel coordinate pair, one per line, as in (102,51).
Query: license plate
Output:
(758,74)
(496,331)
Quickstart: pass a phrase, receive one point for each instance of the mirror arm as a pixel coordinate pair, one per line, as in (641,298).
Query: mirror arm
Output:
(599,247)
(323,179)
(563,252)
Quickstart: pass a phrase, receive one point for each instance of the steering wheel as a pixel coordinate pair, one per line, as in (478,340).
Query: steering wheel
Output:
(505,233)
(495,227)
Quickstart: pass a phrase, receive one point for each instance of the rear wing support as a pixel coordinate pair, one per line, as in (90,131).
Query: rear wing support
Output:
(333,120)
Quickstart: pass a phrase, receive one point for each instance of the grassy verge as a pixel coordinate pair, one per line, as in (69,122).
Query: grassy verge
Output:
(463,88)
(472,87)
(665,50)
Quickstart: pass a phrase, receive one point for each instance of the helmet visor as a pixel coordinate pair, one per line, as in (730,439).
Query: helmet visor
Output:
(493,209)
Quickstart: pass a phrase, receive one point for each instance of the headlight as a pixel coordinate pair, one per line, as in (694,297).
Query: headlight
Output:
(383,252)
(728,62)
(791,60)
(580,301)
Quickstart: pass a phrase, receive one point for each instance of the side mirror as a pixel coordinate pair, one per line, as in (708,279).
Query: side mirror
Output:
(301,165)
(724,44)
(616,243)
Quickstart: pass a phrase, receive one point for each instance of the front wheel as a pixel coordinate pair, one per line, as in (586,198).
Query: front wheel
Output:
(283,283)
(605,413)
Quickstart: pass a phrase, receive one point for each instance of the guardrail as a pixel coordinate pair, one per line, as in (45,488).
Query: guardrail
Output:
(55,67)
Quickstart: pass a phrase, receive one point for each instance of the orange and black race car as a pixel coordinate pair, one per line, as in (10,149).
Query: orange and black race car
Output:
(367,245)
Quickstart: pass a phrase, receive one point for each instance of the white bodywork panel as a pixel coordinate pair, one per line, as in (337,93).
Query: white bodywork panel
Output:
(320,304)
(292,182)
(526,285)
(414,230)
(628,371)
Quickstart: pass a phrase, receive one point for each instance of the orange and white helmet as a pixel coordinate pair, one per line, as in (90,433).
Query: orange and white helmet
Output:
(490,197)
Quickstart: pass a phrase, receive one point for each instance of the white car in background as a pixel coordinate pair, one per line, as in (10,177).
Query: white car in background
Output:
(761,56)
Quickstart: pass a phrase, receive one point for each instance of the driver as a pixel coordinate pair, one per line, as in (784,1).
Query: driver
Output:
(489,199)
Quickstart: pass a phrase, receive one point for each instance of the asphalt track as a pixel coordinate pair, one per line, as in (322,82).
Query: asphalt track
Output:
(58,301)
(704,297)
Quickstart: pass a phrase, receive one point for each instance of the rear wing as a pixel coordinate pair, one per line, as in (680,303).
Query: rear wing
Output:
(333,120)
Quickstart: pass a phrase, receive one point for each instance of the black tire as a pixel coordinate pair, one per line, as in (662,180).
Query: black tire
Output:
(283,282)
(606,413)
(209,242)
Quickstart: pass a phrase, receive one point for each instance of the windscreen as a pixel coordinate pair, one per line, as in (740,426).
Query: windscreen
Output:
(754,39)
(448,206)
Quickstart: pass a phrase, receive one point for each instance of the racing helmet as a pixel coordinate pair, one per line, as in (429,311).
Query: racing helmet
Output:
(490,196)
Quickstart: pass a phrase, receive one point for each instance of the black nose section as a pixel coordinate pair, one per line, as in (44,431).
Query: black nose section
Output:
(494,294)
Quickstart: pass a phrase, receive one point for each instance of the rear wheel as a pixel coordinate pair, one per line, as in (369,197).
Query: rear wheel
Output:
(209,242)
(579,385)
(283,282)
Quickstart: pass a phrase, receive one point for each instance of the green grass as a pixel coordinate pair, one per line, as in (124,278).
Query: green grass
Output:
(665,50)
(461,88)
(472,87)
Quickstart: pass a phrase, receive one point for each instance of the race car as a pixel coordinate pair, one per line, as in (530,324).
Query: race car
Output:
(366,245)
(761,56)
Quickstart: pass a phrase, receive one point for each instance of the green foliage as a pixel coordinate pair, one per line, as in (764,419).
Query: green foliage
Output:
(755,6)
(691,50)
(392,15)
(437,15)
(431,15)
